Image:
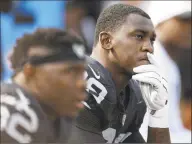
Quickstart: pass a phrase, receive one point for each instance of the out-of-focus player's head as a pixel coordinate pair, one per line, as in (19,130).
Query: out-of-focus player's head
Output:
(50,63)
(124,34)
(178,45)
(183,52)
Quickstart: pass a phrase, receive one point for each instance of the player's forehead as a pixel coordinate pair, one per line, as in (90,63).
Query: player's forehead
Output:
(137,22)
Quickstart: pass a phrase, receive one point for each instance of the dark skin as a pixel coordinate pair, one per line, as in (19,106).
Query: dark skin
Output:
(58,86)
(121,51)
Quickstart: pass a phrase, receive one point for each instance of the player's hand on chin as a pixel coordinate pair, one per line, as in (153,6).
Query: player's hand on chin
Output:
(152,83)
(154,89)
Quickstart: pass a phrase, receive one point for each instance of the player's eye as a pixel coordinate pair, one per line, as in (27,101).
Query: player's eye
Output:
(139,36)
(152,40)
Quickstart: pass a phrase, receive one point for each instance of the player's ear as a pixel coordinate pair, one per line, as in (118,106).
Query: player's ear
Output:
(105,40)
(29,70)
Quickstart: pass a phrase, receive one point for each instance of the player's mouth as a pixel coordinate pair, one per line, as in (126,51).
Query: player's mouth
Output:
(143,61)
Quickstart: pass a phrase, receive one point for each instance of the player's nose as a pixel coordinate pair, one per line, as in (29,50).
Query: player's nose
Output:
(148,47)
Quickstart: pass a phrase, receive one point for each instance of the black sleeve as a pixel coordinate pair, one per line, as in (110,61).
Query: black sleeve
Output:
(135,137)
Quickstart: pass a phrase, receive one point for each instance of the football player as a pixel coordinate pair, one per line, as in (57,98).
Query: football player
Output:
(123,81)
(46,89)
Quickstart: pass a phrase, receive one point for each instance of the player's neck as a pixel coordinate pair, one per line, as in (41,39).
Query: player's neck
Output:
(119,77)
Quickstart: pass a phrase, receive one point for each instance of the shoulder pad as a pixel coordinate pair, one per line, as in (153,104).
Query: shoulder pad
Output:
(19,115)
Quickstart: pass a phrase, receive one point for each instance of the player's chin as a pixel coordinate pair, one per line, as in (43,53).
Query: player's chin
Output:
(143,62)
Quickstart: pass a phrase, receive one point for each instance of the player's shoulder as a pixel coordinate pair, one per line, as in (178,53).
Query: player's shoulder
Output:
(19,109)
(99,81)
(9,88)
(95,70)
(11,94)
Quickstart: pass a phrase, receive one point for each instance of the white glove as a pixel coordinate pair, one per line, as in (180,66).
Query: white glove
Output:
(154,87)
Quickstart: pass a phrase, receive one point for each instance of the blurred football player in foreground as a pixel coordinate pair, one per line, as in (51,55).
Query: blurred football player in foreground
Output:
(175,35)
(122,78)
(46,90)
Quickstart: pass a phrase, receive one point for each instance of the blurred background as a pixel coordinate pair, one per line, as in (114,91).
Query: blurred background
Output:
(19,17)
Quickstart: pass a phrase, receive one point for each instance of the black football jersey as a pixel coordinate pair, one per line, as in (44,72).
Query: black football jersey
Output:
(114,117)
(24,121)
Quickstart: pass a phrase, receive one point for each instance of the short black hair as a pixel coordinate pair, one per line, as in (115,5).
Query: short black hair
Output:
(114,16)
(49,38)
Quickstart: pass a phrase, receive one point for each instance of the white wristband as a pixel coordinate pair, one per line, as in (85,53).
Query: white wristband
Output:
(159,119)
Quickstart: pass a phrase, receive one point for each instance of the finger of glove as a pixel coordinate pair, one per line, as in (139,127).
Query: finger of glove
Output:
(156,76)
(151,97)
(150,68)
(146,68)
(165,84)
(148,98)
(152,59)
(150,74)
(146,95)
(147,79)
(159,103)
(159,99)
(162,97)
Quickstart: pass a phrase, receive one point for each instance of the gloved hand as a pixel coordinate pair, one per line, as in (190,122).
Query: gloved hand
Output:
(153,84)
(154,89)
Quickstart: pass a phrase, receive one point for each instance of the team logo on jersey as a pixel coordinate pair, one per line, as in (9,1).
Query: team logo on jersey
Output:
(123,119)
(95,74)
(79,50)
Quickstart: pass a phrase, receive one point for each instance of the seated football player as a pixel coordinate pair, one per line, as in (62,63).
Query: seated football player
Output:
(123,81)
(46,90)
